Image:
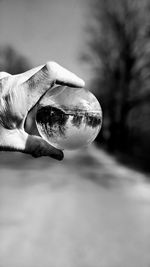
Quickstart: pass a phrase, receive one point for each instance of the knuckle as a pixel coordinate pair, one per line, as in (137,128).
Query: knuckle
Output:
(5,82)
(52,67)
(4,74)
(11,107)
(52,64)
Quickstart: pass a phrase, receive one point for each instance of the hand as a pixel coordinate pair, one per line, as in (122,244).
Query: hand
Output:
(18,95)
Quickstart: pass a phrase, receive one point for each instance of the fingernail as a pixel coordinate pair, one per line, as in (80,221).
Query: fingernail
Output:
(82,82)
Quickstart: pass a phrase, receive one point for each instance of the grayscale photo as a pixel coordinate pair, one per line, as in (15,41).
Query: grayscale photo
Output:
(74,133)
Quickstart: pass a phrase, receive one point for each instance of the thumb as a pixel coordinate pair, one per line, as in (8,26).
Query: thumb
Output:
(19,140)
(37,147)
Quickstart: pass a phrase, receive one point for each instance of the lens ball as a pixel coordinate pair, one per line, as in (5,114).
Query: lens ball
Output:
(69,118)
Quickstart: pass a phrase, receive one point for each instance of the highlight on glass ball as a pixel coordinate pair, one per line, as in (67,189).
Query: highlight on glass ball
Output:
(69,118)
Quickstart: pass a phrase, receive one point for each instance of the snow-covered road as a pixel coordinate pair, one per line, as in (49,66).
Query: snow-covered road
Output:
(87,211)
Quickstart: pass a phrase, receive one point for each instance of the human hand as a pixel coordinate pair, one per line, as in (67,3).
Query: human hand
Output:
(19,94)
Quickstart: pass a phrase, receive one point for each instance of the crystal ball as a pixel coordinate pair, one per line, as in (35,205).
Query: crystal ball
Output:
(69,118)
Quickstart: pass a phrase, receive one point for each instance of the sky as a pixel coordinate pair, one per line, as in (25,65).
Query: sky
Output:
(44,30)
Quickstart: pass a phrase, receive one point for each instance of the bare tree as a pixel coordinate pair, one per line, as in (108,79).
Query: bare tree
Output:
(119,45)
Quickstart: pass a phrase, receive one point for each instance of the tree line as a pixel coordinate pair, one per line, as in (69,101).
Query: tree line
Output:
(118,48)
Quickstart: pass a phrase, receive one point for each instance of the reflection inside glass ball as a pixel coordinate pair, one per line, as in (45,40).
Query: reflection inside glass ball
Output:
(69,118)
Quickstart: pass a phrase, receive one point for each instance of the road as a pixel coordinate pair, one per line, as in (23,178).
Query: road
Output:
(86,211)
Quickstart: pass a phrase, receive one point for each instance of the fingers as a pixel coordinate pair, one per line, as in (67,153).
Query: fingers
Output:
(63,76)
(18,140)
(23,77)
(38,147)
(56,72)
(45,77)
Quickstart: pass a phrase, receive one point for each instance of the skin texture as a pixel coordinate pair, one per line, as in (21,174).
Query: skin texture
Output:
(19,95)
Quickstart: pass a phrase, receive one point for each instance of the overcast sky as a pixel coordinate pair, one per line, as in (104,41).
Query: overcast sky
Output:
(45,30)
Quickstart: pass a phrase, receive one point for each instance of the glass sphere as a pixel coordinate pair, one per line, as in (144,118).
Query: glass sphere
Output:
(69,118)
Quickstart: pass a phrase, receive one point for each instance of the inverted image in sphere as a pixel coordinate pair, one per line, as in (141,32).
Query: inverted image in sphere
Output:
(69,118)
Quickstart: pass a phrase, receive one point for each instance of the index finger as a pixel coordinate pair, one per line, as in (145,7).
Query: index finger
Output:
(62,76)
(48,75)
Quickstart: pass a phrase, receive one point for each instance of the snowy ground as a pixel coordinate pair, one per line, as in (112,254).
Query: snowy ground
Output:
(86,211)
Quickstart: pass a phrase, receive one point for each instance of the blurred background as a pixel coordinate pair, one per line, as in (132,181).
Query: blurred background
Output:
(93,208)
